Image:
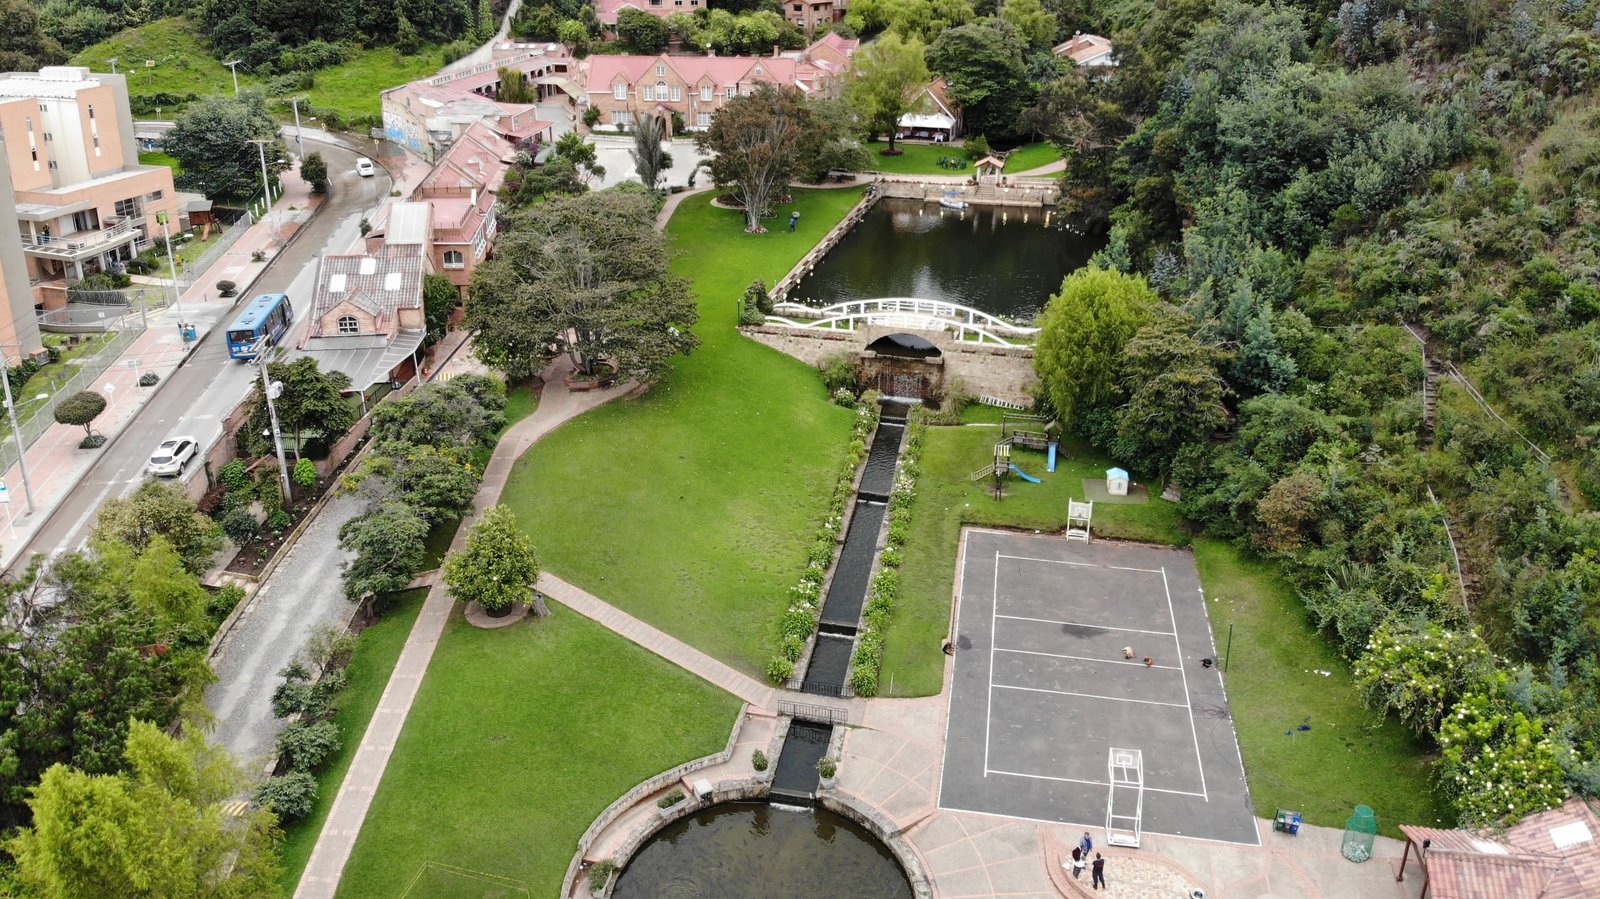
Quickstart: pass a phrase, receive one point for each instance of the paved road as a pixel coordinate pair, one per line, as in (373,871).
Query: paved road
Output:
(304,591)
(209,385)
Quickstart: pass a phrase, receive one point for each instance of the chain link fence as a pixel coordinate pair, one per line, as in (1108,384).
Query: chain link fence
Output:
(35,416)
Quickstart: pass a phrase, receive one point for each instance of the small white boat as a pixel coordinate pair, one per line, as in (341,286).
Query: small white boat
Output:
(951,201)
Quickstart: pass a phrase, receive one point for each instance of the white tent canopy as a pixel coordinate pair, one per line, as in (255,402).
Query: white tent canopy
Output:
(913,120)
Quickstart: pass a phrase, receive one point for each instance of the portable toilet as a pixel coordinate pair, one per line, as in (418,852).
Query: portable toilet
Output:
(1116,482)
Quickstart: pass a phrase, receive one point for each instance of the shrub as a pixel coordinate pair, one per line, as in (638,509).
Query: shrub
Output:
(779,669)
(80,409)
(977,147)
(307,746)
(104,281)
(222,601)
(233,475)
(305,474)
(149,379)
(839,373)
(599,873)
(226,288)
(279,521)
(758,760)
(329,647)
(591,116)
(240,526)
(749,315)
(671,799)
(290,795)
(828,766)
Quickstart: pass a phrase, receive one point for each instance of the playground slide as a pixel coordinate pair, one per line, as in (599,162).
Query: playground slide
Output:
(1024,475)
(1050,466)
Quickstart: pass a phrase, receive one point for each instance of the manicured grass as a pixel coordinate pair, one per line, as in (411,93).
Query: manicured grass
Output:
(183,63)
(352,87)
(1349,755)
(370,666)
(692,506)
(1031,156)
(517,740)
(918,159)
(947,498)
(156,157)
(521,401)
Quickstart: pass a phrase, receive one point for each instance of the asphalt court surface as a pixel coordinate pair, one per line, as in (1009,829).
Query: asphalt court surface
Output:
(1042,689)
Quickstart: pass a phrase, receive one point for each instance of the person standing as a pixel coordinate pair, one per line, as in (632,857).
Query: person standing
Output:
(1099,871)
(1077,863)
(794,219)
(1085,845)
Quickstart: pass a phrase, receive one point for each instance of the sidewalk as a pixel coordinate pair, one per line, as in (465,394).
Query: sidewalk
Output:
(55,464)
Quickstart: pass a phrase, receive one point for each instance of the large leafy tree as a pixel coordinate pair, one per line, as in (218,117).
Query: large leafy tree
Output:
(585,276)
(462,412)
(641,32)
(497,568)
(440,297)
(756,139)
(390,543)
(158,829)
(212,138)
(985,65)
(155,510)
(1174,393)
(1082,333)
(311,399)
(23,46)
(1031,20)
(884,78)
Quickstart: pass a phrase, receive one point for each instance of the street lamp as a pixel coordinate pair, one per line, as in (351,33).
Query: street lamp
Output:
(16,433)
(266,188)
(172,263)
(272,390)
(298,142)
(233,65)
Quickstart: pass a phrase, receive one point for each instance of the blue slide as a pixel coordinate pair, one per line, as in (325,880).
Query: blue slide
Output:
(1051,466)
(1024,475)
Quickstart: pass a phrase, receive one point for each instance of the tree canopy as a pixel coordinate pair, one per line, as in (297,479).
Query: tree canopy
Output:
(156,509)
(984,65)
(497,569)
(1082,332)
(885,76)
(312,399)
(756,139)
(211,141)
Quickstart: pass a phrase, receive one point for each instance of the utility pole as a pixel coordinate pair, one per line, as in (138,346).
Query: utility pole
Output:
(233,65)
(272,390)
(113,61)
(172,263)
(16,432)
(298,142)
(266,187)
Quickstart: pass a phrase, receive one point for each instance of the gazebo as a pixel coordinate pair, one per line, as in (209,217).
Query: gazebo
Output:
(1551,855)
(989,167)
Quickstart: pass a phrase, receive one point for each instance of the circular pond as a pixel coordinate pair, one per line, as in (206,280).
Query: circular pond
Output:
(751,849)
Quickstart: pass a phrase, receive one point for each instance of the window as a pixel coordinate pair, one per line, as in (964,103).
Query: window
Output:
(758,70)
(348,324)
(677,93)
(619,92)
(454,259)
(649,92)
(155,194)
(733,91)
(705,93)
(799,7)
(127,208)
(661,91)
(661,70)
(622,117)
(703,120)
(29,120)
(91,112)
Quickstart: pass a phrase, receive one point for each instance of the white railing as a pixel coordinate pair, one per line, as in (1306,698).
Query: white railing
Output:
(964,332)
(931,309)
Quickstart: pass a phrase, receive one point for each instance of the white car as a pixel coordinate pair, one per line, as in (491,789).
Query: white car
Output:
(172,456)
(365,168)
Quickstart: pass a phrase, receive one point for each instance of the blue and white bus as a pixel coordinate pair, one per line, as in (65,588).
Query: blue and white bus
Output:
(261,323)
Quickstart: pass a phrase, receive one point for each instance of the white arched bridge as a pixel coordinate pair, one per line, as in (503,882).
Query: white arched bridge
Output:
(968,324)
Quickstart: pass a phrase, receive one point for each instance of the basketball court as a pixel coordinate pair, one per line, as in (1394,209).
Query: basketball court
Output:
(1049,717)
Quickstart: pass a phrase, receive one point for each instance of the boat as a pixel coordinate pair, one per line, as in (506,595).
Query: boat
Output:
(951,201)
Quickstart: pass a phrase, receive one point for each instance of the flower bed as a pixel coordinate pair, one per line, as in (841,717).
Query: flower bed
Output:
(884,592)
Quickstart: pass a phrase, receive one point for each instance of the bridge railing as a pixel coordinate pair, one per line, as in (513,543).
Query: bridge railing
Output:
(939,309)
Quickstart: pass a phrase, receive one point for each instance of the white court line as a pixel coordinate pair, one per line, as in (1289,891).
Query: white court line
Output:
(994,609)
(1192,731)
(1092,783)
(1054,655)
(1079,564)
(1102,627)
(1176,705)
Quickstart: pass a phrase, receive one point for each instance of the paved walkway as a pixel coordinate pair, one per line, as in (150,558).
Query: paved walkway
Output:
(339,832)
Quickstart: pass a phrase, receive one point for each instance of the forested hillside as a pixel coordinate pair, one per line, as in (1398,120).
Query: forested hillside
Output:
(1341,208)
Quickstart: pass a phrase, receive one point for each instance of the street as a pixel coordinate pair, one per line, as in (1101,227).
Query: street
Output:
(208,385)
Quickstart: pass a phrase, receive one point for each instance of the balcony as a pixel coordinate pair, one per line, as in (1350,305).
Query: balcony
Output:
(79,245)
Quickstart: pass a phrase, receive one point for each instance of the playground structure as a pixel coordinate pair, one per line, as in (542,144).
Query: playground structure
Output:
(1020,429)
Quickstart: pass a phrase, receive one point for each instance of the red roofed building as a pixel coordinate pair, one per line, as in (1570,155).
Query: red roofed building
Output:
(428,115)
(606,10)
(1088,50)
(1551,855)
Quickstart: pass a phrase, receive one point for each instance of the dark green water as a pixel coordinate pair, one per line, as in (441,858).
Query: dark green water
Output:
(1002,261)
(750,850)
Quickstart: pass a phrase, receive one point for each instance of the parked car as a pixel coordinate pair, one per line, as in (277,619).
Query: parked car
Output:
(172,456)
(365,168)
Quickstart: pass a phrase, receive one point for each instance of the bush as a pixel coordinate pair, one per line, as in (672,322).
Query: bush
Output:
(234,475)
(305,474)
(279,521)
(977,147)
(307,746)
(329,647)
(758,760)
(827,766)
(104,281)
(839,373)
(290,795)
(240,526)
(222,601)
(226,288)
(749,315)
(599,873)
(779,669)
(315,54)
(591,116)
(149,379)
(671,799)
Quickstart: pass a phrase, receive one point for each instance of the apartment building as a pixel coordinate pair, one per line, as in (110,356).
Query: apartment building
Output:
(626,88)
(809,15)
(73,187)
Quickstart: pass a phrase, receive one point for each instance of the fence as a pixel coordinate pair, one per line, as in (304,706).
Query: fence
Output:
(202,263)
(33,420)
(820,714)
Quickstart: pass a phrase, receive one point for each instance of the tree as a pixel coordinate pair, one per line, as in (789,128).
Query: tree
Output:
(497,569)
(984,65)
(157,509)
(157,830)
(581,154)
(81,409)
(311,398)
(23,46)
(440,297)
(1174,394)
(755,137)
(586,276)
(164,590)
(463,413)
(211,141)
(1082,332)
(514,86)
(315,171)
(641,32)
(438,482)
(649,160)
(390,543)
(885,77)
(1031,21)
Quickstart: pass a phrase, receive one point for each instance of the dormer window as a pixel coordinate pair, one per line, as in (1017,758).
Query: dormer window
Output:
(619,92)
(661,70)
(758,70)
(349,325)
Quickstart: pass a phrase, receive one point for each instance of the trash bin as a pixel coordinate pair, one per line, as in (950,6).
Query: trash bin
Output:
(1360,832)
(1287,822)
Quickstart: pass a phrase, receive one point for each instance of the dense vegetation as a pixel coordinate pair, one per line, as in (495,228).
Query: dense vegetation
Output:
(1297,184)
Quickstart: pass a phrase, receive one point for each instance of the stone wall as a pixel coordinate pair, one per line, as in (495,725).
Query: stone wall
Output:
(984,369)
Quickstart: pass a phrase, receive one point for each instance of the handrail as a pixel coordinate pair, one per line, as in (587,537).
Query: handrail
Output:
(935,308)
(898,319)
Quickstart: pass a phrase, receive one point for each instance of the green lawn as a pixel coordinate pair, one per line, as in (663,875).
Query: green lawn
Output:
(918,159)
(517,740)
(1031,156)
(692,506)
(156,157)
(1349,756)
(352,87)
(370,666)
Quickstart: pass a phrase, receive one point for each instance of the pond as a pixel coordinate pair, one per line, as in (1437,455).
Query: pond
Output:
(751,850)
(1004,261)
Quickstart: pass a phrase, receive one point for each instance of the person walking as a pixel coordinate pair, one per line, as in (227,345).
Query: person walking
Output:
(794,219)
(1077,863)
(1099,871)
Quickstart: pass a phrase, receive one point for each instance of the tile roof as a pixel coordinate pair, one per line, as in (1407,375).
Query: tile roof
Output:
(382,282)
(1087,49)
(1551,855)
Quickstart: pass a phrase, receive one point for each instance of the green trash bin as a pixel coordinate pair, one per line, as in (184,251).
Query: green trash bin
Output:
(1360,832)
